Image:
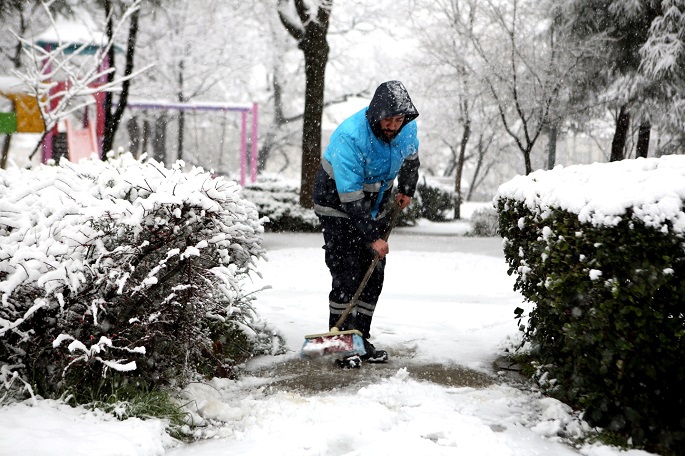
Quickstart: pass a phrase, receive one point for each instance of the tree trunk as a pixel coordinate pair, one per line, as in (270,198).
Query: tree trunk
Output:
(311,129)
(114,118)
(134,135)
(643,139)
(315,48)
(476,173)
(5,151)
(159,142)
(181,113)
(552,145)
(278,121)
(180,134)
(147,136)
(526,159)
(460,161)
(107,138)
(618,144)
(311,36)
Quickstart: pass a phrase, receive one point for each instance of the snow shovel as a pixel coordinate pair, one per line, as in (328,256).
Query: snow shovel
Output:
(349,342)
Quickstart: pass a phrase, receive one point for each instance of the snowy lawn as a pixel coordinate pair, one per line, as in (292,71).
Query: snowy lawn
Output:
(447,299)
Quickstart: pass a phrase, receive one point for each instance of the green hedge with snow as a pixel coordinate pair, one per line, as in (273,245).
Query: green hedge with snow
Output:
(600,252)
(278,202)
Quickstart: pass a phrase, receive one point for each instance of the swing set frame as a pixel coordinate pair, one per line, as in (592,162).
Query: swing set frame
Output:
(244,109)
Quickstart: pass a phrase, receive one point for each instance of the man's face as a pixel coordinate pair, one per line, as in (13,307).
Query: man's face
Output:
(391,126)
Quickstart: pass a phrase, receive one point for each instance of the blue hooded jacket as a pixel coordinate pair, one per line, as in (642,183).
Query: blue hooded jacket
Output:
(359,166)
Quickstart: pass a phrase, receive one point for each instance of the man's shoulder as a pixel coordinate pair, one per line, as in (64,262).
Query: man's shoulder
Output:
(407,140)
(356,124)
(351,137)
(411,127)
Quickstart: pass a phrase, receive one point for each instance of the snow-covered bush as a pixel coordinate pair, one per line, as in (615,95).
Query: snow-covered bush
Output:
(279,201)
(124,270)
(600,250)
(434,201)
(484,222)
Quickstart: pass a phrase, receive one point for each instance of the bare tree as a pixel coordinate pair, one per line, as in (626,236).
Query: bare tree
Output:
(446,52)
(308,25)
(205,51)
(113,114)
(76,71)
(191,62)
(501,54)
(526,84)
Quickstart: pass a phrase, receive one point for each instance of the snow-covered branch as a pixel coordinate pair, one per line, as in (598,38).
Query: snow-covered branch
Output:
(665,45)
(60,78)
(124,260)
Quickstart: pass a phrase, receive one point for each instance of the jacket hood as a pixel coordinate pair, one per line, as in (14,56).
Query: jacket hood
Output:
(391,99)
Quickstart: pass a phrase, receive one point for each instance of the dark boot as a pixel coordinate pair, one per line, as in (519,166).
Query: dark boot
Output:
(374,355)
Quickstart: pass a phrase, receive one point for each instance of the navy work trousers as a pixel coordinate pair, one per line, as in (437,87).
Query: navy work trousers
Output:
(348,258)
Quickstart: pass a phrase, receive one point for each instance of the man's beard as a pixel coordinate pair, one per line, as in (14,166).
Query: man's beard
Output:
(390,134)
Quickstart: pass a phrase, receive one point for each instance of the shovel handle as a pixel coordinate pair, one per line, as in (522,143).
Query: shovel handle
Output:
(394,216)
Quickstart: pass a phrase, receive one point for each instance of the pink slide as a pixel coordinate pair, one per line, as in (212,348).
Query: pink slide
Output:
(82,142)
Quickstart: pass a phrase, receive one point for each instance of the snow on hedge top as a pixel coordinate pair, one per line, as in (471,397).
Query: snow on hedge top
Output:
(600,193)
(50,215)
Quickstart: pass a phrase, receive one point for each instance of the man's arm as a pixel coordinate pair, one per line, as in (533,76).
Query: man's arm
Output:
(409,176)
(407,180)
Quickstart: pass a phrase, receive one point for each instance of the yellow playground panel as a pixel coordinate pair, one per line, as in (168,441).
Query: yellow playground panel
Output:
(28,116)
(28,112)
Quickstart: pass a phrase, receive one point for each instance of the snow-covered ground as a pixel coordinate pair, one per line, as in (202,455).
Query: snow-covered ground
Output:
(447,300)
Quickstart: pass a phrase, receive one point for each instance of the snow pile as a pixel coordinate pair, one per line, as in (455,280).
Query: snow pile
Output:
(77,432)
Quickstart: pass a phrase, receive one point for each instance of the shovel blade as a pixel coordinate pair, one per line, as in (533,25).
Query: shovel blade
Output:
(341,344)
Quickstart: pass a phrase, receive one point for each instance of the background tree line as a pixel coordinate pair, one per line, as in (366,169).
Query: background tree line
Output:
(503,87)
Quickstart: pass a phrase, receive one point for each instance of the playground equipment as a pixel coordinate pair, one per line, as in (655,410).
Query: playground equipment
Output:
(26,116)
(81,142)
(83,39)
(243,109)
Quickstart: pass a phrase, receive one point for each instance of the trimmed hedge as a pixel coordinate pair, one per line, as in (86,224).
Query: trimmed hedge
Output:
(484,222)
(278,203)
(608,323)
